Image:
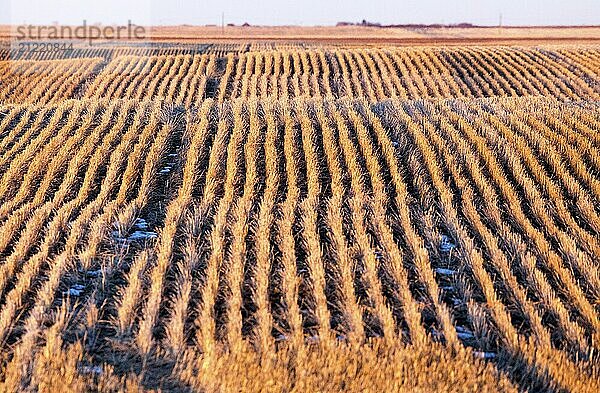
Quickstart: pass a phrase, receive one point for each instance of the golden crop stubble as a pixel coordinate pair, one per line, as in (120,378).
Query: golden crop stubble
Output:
(464,77)
(197,91)
(403,60)
(483,67)
(547,184)
(438,77)
(389,74)
(192,66)
(229,71)
(316,74)
(164,246)
(370,80)
(451,71)
(265,225)
(179,206)
(44,172)
(571,289)
(167,79)
(156,79)
(251,59)
(497,257)
(45,295)
(309,208)
(58,202)
(253,84)
(216,263)
(425,74)
(290,279)
(241,223)
(110,78)
(466,248)
(23,158)
(347,266)
(395,266)
(539,72)
(537,280)
(8,131)
(377,71)
(564,75)
(126,83)
(572,247)
(360,203)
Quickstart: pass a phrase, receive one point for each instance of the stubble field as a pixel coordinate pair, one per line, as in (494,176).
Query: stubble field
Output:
(299,217)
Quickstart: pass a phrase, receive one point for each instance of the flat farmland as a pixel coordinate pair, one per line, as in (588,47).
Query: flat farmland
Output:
(287,212)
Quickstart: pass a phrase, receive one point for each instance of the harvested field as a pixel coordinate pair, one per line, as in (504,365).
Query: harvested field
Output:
(282,218)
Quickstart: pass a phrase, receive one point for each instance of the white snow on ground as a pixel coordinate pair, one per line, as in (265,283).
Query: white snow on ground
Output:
(169,165)
(140,224)
(75,291)
(445,272)
(446,245)
(91,370)
(166,170)
(142,235)
(94,273)
(136,236)
(485,355)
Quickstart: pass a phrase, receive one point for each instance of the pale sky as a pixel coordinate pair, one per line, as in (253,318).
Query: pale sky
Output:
(308,12)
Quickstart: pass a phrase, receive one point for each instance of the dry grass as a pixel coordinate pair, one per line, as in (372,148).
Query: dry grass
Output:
(298,219)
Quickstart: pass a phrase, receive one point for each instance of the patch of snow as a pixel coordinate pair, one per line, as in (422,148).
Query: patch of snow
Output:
(75,291)
(485,355)
(142,235)
(91,370)
(445,272)
(140,224)
(448,288)
(94,273)
(166,169)
(446,245)
(135,236)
